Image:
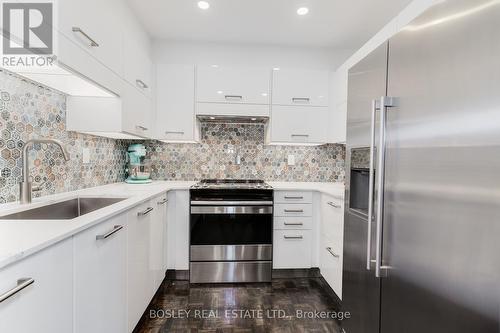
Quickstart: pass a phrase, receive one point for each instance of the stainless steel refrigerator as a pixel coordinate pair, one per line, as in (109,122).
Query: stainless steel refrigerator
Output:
(422,226)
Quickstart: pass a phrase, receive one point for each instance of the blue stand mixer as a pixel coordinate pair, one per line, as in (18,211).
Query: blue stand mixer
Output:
(138,167)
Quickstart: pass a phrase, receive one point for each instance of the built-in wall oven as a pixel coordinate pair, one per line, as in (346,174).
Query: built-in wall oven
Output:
(231,225)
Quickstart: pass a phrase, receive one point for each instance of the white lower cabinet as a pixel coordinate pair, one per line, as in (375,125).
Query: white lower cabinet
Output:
(331,264)
(332,241)
(292,249)
(100,290)
(158,243)
(139,281)
(46,305)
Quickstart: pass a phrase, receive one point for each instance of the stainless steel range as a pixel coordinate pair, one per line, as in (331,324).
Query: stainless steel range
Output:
(231,231)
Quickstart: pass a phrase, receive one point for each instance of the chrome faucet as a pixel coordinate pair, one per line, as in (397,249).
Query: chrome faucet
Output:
(25,187)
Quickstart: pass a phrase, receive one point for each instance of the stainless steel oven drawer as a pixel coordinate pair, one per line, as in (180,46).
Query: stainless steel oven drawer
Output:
(230,271)
(231,252)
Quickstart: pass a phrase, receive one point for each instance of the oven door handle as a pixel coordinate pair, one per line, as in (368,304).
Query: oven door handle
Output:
(229,203)
(230,210)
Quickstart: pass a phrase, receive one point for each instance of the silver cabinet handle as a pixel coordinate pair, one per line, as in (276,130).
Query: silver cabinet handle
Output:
(141,127)
(141,84)
(329,249)
(116,228)
(385,102)
(300,135)
(299,223)
(175,132)
(233,97)
(294,210)
(370,186)
(164,201)
(331,203)
(21,284)
(301,99)
(293,237)
(145,212)
(294,198)
(93,43)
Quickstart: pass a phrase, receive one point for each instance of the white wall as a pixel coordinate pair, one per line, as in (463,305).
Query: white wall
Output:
(203,53)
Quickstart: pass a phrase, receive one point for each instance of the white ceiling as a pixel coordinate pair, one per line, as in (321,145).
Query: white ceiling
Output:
(341,24)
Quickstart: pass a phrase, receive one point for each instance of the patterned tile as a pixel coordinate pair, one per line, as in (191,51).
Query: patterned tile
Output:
(215,156)
(360,158)
(27,111)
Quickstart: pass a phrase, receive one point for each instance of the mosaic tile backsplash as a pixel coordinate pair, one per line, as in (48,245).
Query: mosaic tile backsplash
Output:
(31,111)
(215,157)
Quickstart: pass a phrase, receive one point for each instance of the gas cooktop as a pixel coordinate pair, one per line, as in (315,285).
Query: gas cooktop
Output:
(232,184)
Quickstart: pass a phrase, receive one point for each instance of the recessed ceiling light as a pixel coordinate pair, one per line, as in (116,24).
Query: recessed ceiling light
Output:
(302,10)
(215,66)
(253,119)
(264,94)
(212,118)
(276,69)
(219,92)
(203,4)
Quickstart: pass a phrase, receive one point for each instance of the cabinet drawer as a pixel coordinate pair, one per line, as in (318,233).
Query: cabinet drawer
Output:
(292,197)
(288,210)
(292,223)
(292,249)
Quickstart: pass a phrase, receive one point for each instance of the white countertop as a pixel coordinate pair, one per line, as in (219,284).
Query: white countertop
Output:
(19,239)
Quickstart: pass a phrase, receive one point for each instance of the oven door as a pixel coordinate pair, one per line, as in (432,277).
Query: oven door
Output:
(231,225)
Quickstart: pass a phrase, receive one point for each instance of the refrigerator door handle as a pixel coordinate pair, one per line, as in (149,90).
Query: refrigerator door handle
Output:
(375,107)
(385,102)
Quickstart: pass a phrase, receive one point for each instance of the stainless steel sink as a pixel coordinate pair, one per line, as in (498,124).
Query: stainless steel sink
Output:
(64,210)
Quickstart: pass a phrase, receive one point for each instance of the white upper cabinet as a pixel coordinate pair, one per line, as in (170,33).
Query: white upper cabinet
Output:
(96,26)
(138,66)
(175,119)
(300,87)
(299,124)
(137,112)
(233,85)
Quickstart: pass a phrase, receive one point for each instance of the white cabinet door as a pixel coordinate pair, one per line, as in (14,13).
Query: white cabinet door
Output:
(233,85)
(95,26)
(158,240)
(45,306)
(175,119)
(137,112)
(100,257)
(332,219)
(182,230)
(138,67)
(299,124)
(300,87)
(331,265)
(292,249)
(139,281)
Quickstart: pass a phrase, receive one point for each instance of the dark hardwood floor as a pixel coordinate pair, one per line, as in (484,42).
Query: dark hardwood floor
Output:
(240,308)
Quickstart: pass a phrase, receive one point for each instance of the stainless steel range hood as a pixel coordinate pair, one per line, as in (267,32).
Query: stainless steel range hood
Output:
(233,119)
